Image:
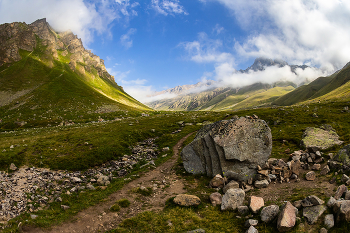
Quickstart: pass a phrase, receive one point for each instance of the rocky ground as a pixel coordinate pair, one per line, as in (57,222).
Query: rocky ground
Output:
(31,189)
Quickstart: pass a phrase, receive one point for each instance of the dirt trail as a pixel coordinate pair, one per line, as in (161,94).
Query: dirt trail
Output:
(98,218)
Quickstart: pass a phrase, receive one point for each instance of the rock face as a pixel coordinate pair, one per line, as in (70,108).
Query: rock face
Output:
(232,199)
(321,138)
(233,148)
(16,36)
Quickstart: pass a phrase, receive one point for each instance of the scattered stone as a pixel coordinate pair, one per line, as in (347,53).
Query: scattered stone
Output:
(340,191)
(232,199)
(329,221)
(286,218)
(217,182)
(65,207)
(313,213)
(243,210)
(297,204)
(316,167)
(13,167)
(33,216)
(261,184)
(332,181)
(232,184)
(252,229)
(325,170)
(197,231)
(187,200)
(342,210)
(344,178)
(311,201)
(331,202)
(256,203)
(311,176)
(103,180)
(251,222)
(215,199)
(323,230)
(269,213)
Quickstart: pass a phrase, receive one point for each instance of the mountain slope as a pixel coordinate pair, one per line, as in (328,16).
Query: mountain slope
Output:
(321,87)
(42,71)
(212,95)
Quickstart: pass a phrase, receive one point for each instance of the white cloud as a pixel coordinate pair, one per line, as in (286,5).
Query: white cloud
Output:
(126,40)
(314,31)
(206,50)
(218,29)
(84,18)
(166,7)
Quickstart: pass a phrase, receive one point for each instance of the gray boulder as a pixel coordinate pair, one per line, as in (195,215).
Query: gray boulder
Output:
(269,213)
(233,148)
(313,213)
(232,199)
(252,229)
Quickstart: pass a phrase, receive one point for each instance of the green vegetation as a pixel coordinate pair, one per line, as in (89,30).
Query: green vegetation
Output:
(123,203)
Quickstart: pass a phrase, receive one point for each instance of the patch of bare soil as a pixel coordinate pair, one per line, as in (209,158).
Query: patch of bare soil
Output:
(99,218)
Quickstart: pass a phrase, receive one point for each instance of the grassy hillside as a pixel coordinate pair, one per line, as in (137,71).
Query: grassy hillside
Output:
(317,89)
(41,90)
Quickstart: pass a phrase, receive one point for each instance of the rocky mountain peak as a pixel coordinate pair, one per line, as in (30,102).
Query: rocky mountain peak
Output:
(21,36)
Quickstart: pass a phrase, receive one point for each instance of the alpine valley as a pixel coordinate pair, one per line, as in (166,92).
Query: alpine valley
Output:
(79,154)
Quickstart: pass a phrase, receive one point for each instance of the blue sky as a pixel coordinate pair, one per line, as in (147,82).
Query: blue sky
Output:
(151,45)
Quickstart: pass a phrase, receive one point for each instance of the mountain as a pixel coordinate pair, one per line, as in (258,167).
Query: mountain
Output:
(44,71)
(210,95)
(325,88)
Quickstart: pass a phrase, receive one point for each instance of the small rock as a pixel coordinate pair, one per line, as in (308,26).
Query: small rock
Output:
(256,203)
(197,231)
(217,182)
(325,170)
(76,180)
(340,191)
(231,184)
(33,216)
(313,213)
(65,207)
(297,204)
(316,167)
(251,222)
(243,210)
(215,199)
(311,201)
(331,202)
(187,200)
(269,213)
(261,184)
(232,199)
(344,178)
(252,229)
(329,221)
(323,230)
(286,218)
(310,176)
(13,167)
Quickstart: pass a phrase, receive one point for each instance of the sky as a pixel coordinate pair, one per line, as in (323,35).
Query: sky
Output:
(152,45)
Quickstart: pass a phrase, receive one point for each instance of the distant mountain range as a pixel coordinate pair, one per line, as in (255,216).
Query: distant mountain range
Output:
(44,71)
(211,95)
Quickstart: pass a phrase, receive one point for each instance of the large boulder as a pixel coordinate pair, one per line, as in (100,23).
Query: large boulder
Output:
(320,138)
(313,213)
(233,148)
(342,210)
